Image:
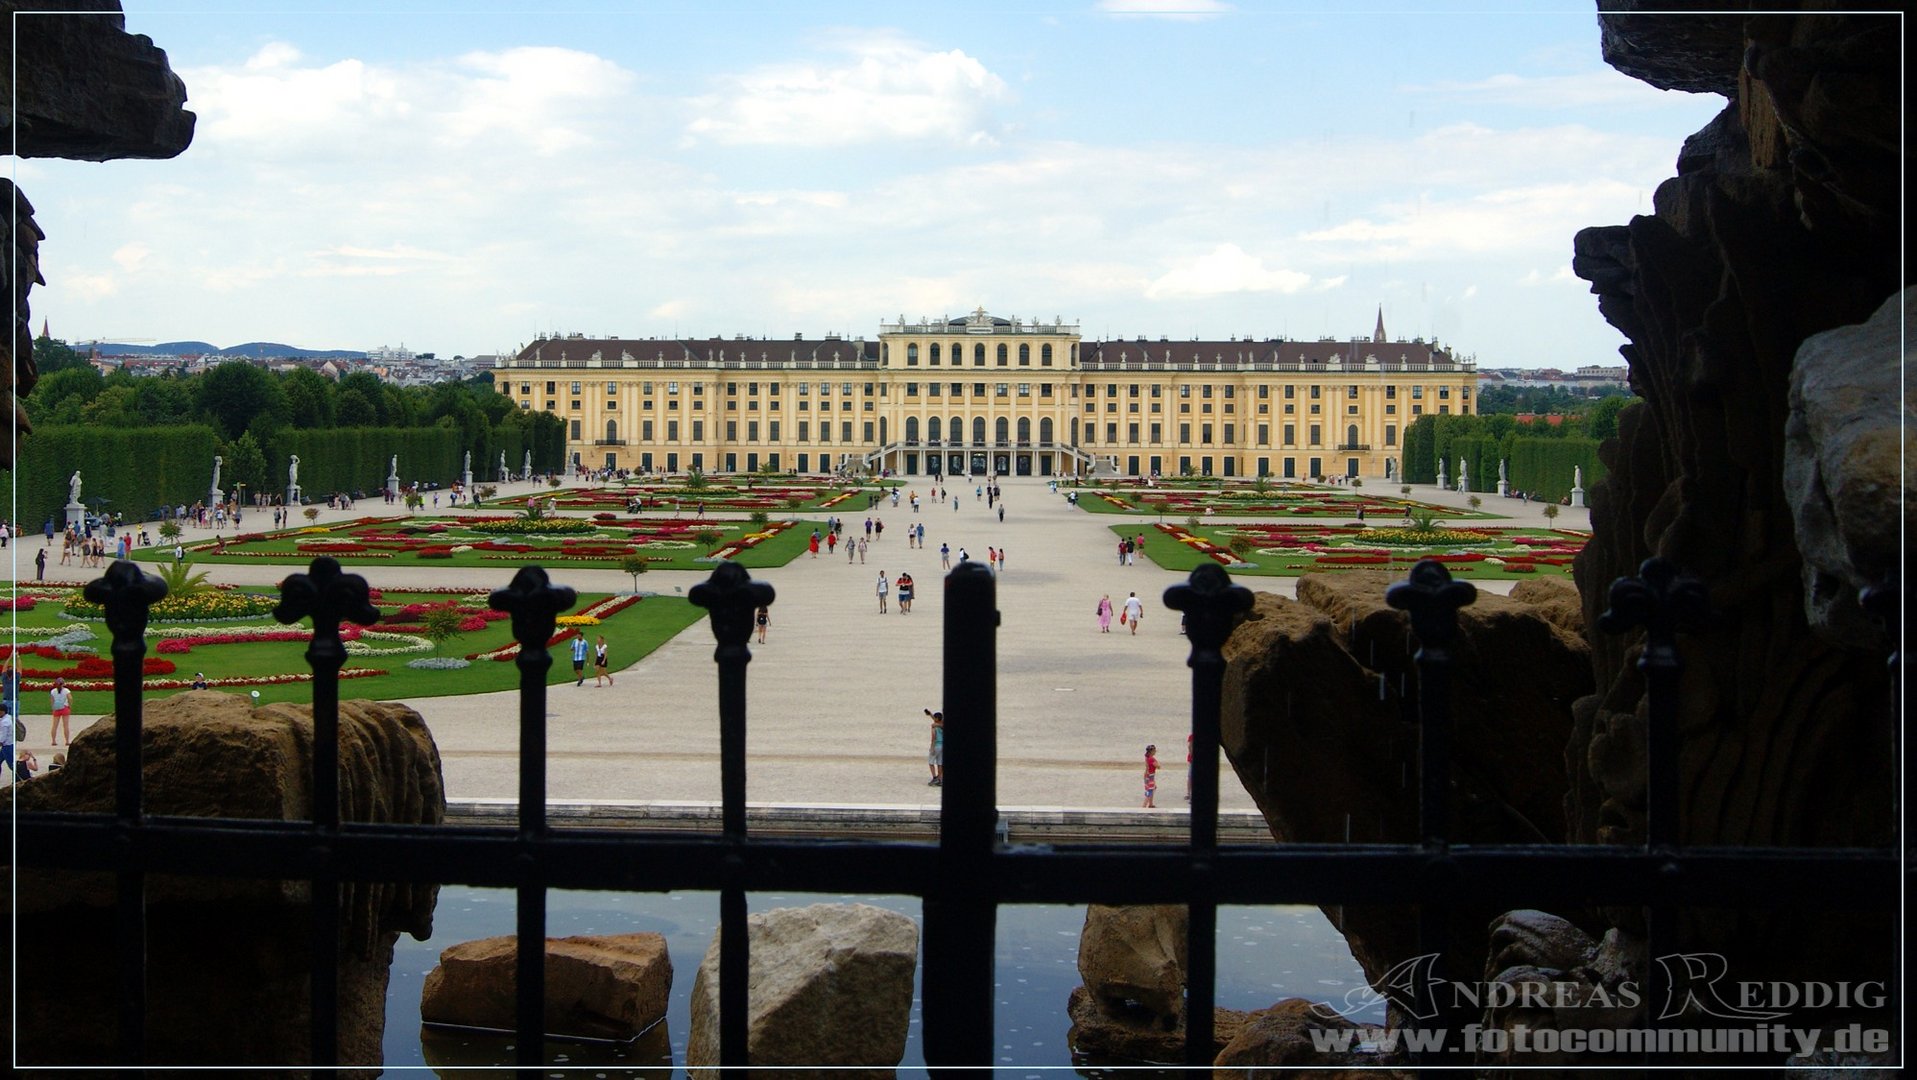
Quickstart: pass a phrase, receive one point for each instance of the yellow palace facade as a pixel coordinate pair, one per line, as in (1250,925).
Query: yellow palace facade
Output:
(980,394)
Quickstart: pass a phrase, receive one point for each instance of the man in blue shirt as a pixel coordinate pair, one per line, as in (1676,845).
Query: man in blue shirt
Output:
(579,658)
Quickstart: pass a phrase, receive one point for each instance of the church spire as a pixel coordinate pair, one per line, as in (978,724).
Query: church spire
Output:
(1378,334)
(44,331)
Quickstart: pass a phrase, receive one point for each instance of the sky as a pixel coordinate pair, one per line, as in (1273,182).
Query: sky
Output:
(460,177)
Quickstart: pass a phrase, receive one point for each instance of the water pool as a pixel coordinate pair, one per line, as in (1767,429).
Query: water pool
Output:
(1264,954)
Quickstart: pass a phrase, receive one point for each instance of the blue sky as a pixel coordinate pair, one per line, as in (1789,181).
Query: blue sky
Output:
(462,176)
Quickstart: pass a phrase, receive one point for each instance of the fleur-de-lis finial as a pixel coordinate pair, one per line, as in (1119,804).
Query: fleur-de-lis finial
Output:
(126,592)
(327,596)
(1211,604)
(534,602)
(1433,600)
(1660,600)
(731,596)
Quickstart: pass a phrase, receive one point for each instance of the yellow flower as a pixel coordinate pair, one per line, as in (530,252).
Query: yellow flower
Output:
(576,620)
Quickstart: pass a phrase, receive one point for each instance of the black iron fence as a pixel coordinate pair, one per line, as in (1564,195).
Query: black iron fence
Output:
(970,871)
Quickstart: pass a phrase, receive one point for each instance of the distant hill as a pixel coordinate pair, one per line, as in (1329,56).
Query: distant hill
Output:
(202,348)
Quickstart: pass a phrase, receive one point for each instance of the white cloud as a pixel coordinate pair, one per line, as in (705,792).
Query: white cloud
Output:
(1505,220)
(132,256)
(886,88)
(1226,269)
(1599,87)
(274,54)
(670,309)
(1165,9)
(90,286)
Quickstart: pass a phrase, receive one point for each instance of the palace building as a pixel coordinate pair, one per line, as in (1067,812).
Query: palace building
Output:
(979,394)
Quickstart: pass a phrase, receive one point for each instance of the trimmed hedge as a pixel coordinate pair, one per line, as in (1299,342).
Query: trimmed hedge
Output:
(1545,467)
(135,469)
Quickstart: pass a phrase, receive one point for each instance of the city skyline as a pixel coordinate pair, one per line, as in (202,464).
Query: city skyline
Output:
(462,178)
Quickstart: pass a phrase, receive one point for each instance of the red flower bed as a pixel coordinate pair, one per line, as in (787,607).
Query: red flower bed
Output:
(1353,560)
(332,547)
(24,603)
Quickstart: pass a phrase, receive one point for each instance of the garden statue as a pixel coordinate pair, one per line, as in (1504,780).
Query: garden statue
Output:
(503,474)
(293,472)
(218,496)
(528,471)
(73,489)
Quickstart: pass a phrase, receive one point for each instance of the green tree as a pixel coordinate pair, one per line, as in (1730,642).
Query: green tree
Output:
(52,354)
(309,399)
(355,410)
(370,390)
(61,397)
(164,400)
(246,464)
(236,395)
(708,538)
(113,407)
(1600,420)
(634,564)
(440,624)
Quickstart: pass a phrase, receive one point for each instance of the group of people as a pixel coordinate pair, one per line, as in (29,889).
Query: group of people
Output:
(1131,613)
(1129,548)
(601,672)
(1151,774)
(18,759)
(903,584)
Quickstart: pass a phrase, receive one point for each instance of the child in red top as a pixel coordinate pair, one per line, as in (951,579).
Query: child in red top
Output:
(1151,775)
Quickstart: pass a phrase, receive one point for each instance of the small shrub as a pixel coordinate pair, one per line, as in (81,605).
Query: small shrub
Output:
(1550,511)
(1474,502)
(759,518)
(634,565)
(441,623)
(1405,490)
(311,514)
(169,530)
(708,539)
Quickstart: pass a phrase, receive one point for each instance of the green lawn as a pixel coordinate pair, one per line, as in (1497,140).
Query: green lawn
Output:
(631,634)
(1293,549)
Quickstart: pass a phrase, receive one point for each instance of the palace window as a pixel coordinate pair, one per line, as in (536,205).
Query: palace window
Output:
(1131,434)
(1158,433)
(911,389)
(575,430)
(1291,434)
(1002,390)
(978,355)
(1317,434)
(1045,355)
(1024,389)
(1004,354)
(1024,355)
(698,431)
(645,431)
(912,355)
(672,430)
(1352,392)
(1391,434)
(1264,434)
(575,388)
(805,431)
(732,431)
(1204,431)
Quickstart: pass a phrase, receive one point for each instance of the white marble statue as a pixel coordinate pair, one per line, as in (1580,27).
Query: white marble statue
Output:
(73,489)
(392,468)
(528,470)
(293,472)
(217,462)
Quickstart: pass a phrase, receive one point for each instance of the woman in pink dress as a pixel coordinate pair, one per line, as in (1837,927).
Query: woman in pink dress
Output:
(1105,614)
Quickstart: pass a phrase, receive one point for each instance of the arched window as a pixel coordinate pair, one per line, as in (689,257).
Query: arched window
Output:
(1002,431)
(1003,354)
(978,355)
(1024,355)
(935,354)
(1024,429)
(1045,355)
(1074,431)
(912,355)
(1045,430)
(912,429)
(978,430)
(612,431)
(956,432)
(1351,435)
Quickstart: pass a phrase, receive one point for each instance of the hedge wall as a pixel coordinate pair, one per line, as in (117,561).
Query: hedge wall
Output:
(358,459)
(1544,467)
(136,470)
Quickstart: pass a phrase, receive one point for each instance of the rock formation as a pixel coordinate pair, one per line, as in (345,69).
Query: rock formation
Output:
(831,984)
(227,958)
(1318,727)
(610,987)
(1781,226)
(1780,223)
(1280,1038)
(87,90)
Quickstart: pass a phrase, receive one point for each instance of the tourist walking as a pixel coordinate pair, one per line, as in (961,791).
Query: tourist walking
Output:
(1105,614)
(955,504)
(945,556)
(862,546)
(831,542)
(851,550)
(935,754)
(6,743)
(905,593)
(1001,513)
(1151,777)
(40,565)
(599,662)
(62,703)
(1134,612)
(579,659)
(813,544)
(762,618)
(885,586)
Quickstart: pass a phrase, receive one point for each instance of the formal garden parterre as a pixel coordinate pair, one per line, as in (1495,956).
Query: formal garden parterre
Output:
(1288,550)
(732,495)
(605,540)
(426,643)
(1181,500)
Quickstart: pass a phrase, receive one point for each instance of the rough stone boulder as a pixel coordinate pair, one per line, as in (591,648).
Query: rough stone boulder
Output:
(1281,1038)
(609,987)
(831,984)
(1545,972)
(227,957)
(1132,1006)
(1843,467)
(1134,958)
(1320,725)
(1099,1034)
